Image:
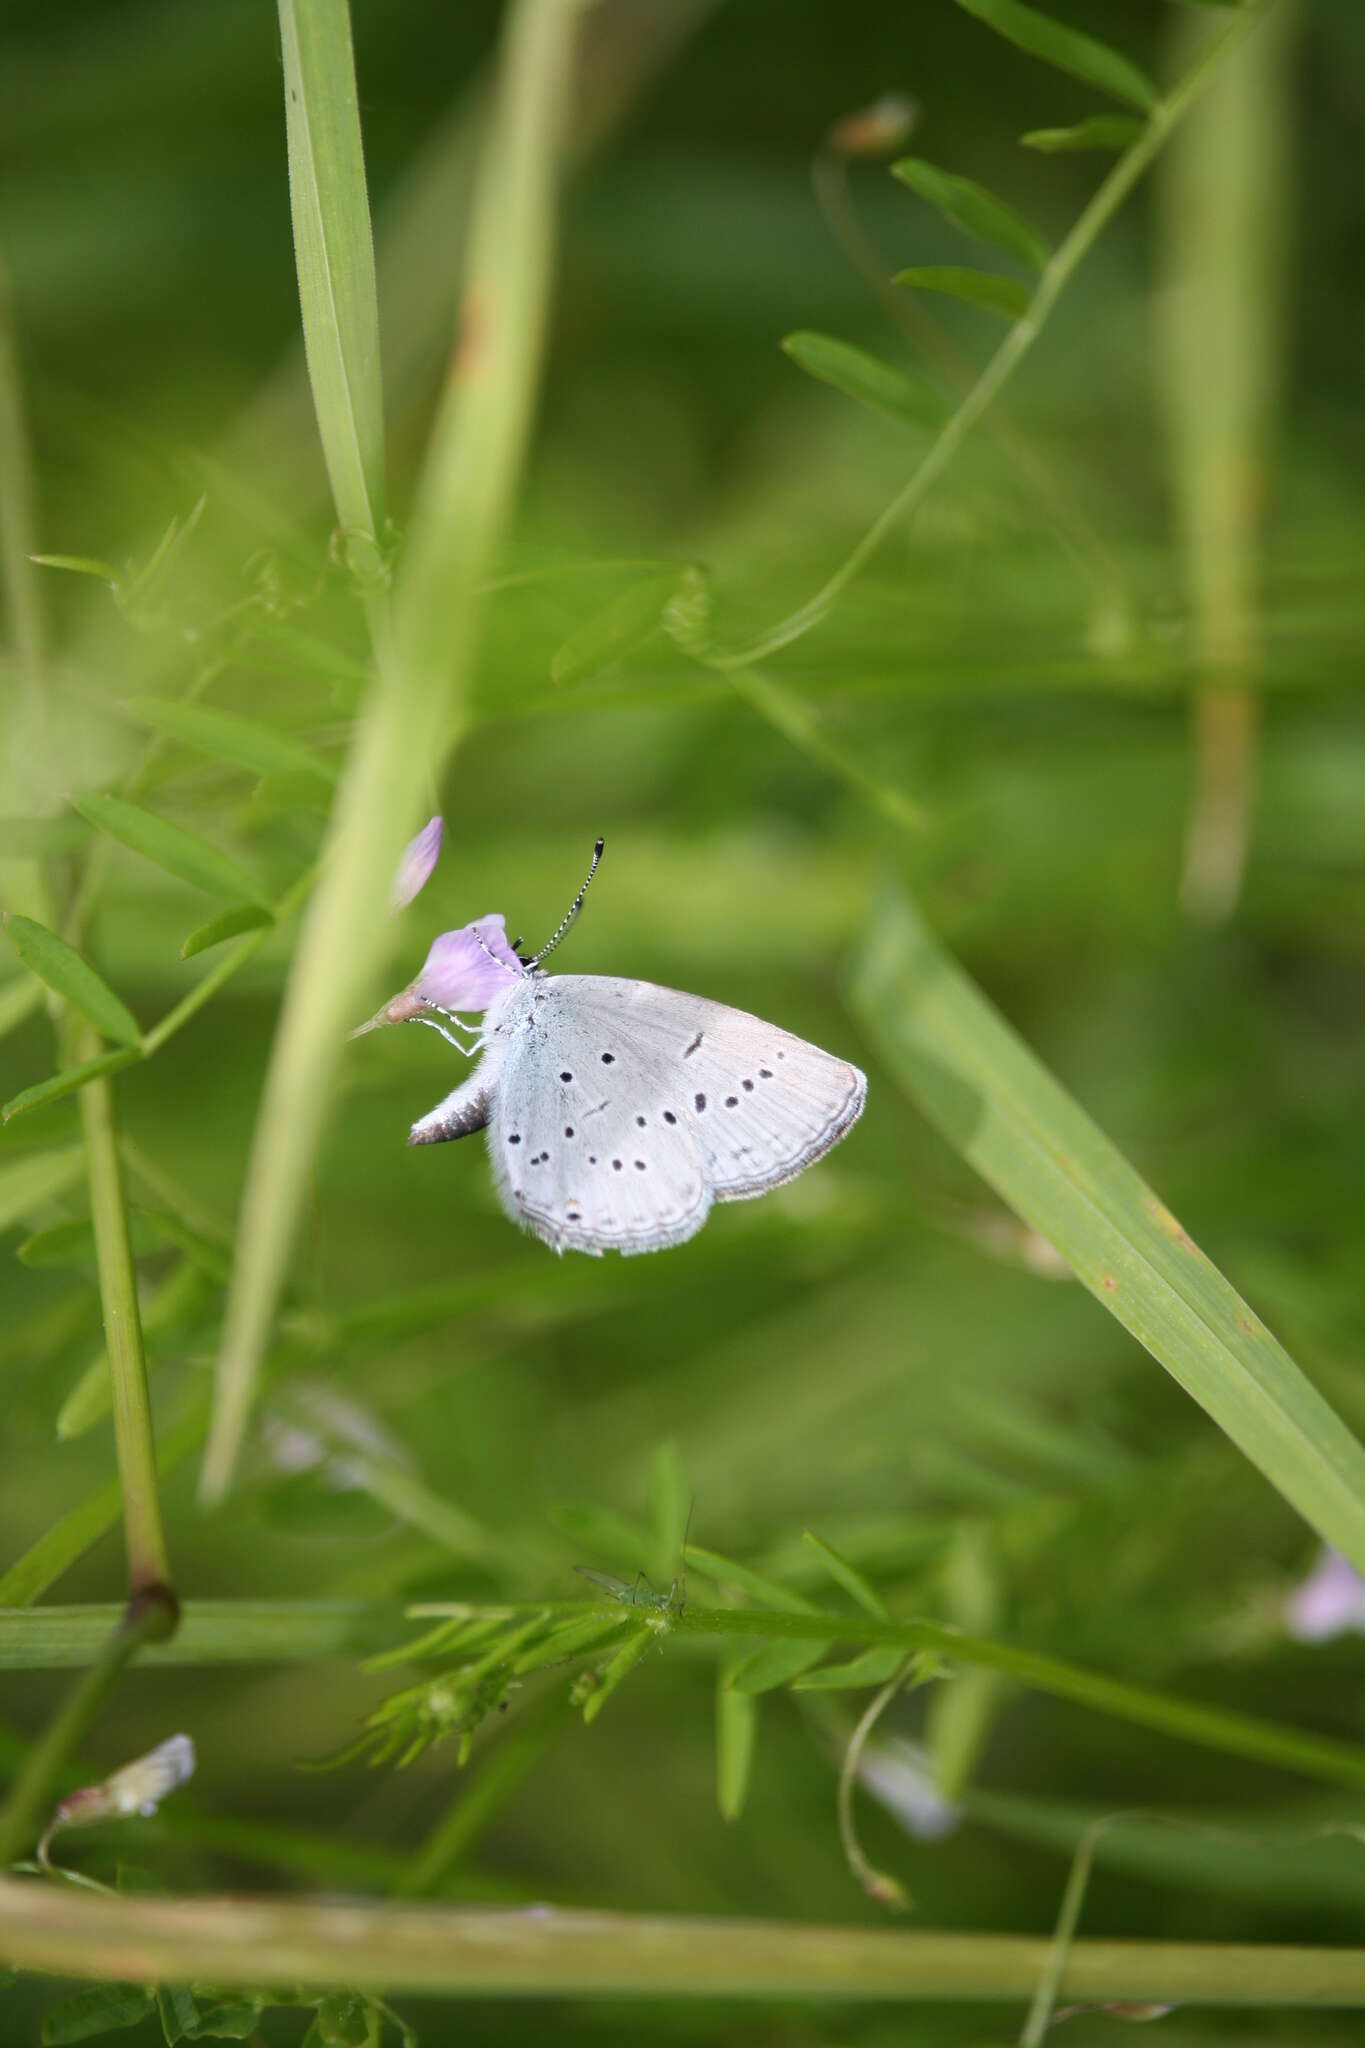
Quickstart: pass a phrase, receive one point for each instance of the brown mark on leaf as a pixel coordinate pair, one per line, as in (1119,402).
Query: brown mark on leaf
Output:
(1111,1285)
(471,341)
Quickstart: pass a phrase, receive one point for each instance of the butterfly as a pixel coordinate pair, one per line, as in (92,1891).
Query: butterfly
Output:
(618,1112)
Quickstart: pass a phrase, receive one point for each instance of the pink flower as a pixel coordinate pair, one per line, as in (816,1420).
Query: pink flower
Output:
(420,856)
(466,971)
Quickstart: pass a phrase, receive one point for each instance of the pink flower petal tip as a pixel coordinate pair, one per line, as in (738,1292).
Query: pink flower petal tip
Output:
(420,856)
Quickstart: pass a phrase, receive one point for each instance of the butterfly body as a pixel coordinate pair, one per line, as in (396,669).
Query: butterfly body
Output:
(618,1111)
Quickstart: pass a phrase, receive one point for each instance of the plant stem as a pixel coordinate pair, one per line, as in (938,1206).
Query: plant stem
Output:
(149,1571)
(236,1631)
(547,1953)
(1016,345)
(144,1621)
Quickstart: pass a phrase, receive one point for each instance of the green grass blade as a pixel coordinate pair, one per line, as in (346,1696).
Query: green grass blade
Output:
(976,211)
(421,705)
(334,251)
(1114,132)
(35,1179)
(844,1574)
(866,378)
(989,1095)
(182,854)
(69,1080)
(63,969)
(229,924)
(1067,48)
(994,294)
(736,1735)
(223,736)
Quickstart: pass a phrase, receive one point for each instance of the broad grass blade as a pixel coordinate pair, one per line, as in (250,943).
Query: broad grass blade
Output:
(419,707)
(993,1099)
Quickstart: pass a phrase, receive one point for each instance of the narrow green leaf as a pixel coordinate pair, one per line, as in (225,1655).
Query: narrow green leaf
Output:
(63,969)
(989,1095)
(35,1179)
(226,737)
(334,253)
(976,211)
(844,1574)
(1099,131)
(102,2009)
(865,377)
(736,1733)
(30,838)
(182,854)
(873,1667)
(984,288)
(619,629)
(775,1664)
(1067,48)
(725,1572)
(229,924)
(69,1080)
(619,1667)
(79,565)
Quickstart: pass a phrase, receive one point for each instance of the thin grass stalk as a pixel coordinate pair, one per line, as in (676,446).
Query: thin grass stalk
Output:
(1222,309)
(1094,218)
(149,1570)
(239,1940)
(417,709)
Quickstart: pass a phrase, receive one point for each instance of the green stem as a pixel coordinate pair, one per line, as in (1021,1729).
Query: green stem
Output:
(549,1953)
(24,1812)
(1016,345)
(148,1562)
(233,1631)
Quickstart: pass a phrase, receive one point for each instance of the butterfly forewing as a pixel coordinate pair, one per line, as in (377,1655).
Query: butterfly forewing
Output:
(582,1154)
(626,1108)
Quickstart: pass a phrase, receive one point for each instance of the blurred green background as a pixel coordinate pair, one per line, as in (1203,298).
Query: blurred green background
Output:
(877,1351)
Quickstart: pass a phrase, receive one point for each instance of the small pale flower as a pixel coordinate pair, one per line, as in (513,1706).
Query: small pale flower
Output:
(1329,1602)
(420,856)
(467,971)
(138,1788)
(897,1775)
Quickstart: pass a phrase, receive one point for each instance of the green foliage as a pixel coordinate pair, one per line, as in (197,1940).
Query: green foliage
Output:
(1085,1579)
(976,211)
(1081,55)
(1002,295)
(70,976)
(865,377)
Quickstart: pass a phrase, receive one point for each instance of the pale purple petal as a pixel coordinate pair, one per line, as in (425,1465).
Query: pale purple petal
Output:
(414,869)
(461,973)
(1327,1603)
(898,1777)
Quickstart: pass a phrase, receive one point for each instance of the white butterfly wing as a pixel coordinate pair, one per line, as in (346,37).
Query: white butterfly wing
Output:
(671,1101)
(582,1152)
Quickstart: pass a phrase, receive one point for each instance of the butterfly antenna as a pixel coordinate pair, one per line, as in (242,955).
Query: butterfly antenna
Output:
(573,911)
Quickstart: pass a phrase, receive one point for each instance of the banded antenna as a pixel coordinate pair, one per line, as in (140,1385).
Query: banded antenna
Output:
(567,923)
